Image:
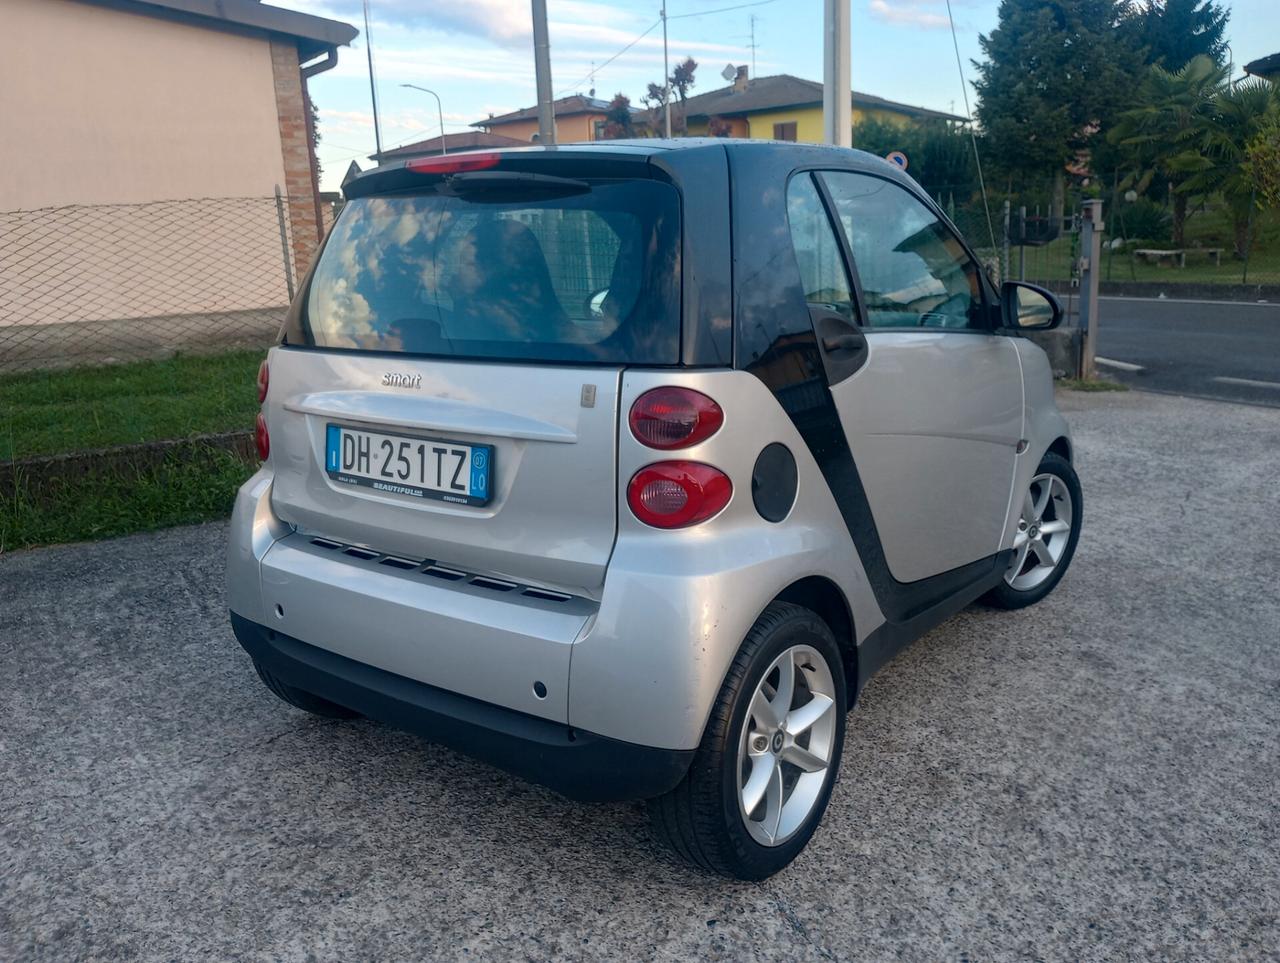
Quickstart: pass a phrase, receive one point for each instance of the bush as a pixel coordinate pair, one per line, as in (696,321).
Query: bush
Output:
(1143,220)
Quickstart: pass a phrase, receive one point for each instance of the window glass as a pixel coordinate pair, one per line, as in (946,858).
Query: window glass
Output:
(822,272)
(913,270)
(593,276)
(785,131)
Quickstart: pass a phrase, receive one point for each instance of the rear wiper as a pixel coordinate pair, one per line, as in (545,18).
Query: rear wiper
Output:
(513,182)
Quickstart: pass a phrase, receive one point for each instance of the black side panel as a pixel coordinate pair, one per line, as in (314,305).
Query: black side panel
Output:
(776,343)
(581,765)
(702,177)
(892,637)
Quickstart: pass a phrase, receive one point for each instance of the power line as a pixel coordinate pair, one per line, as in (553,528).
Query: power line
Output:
(707,13)
(648,30)
(594,70)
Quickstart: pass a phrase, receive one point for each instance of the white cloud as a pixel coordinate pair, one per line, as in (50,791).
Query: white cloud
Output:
(909,13)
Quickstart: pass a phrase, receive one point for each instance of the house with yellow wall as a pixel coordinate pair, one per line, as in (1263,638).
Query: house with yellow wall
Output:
(784,107)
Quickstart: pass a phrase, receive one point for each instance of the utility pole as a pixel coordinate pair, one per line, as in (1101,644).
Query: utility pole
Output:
(1091,230)
(542,71)
(373,89)
(666,78)
(837,91)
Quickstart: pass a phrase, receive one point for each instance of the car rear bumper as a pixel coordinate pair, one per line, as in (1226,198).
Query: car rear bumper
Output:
(581,765)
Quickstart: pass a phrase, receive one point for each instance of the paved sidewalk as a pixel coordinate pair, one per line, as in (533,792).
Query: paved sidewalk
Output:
(1095,777)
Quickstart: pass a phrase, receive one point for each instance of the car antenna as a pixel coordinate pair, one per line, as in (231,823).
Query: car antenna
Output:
(977,159)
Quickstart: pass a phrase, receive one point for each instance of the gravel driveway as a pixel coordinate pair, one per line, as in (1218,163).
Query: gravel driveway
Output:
(1098,776)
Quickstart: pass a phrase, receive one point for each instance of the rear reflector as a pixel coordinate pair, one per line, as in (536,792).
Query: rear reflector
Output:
(675,494)
(669,418)
(264,380)
(261,438)
(453,163)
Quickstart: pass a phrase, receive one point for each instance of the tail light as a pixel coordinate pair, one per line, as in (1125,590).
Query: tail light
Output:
(675,494)
(453,163)
(261,438)
(264,379)
(670,418)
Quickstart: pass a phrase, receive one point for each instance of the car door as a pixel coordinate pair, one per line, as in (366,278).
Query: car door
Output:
(930,399)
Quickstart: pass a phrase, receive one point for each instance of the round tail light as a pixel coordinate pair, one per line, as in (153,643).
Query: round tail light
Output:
(675,494)
(261,438)
(264,378)
(669,418)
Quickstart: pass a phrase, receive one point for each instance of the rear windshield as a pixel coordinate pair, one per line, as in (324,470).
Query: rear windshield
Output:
(591,277)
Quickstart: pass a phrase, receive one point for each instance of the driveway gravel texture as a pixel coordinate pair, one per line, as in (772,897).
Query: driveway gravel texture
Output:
(1094,777)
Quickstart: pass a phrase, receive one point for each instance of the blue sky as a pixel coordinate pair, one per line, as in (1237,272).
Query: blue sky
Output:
(478,55)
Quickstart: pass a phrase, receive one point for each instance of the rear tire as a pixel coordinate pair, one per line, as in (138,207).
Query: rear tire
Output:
(301,699)
(1053,503)
(717,818)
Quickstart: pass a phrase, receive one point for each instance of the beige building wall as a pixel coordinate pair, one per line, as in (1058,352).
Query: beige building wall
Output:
(140,159)
(100,106)
(569,130)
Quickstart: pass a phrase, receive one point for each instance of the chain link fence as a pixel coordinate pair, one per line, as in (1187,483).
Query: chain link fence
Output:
(100,284)
(1223,253)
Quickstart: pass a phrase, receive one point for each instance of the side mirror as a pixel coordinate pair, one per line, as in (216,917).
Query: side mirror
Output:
(1028,307)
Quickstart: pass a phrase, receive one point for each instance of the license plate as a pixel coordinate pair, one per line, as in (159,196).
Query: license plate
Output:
(409,465)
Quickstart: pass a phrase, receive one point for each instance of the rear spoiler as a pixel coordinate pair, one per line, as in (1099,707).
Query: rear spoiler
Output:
(561,164)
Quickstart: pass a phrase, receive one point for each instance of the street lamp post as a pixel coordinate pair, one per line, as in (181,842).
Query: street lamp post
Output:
(439,108)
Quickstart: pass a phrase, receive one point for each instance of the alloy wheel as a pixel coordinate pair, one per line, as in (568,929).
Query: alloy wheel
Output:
(786,745)
(1044,529)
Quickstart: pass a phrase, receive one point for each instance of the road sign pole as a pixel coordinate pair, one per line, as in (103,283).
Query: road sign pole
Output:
(1091,230)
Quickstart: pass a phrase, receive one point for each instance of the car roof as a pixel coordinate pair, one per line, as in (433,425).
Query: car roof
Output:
(376,180)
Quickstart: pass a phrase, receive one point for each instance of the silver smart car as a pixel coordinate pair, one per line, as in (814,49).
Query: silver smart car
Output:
(624,466)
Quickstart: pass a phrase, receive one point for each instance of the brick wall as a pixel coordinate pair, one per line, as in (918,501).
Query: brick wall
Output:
(295,147)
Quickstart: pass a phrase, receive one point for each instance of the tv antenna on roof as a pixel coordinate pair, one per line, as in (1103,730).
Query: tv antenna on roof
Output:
(729,72)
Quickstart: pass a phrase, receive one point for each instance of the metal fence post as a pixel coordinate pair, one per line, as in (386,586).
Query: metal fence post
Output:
(1022,243)
(1004,245)
(1091,230)
(284,243)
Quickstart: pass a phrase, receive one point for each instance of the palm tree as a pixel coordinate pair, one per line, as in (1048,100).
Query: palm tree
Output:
(1240,113)
(1163,134)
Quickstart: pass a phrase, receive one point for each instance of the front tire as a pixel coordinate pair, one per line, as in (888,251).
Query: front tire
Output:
(763,773)
(1049,521)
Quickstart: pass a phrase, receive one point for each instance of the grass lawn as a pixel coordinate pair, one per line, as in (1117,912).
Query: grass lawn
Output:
(190,485)
(49,412)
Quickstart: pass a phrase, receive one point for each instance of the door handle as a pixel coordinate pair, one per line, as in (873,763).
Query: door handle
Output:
(843,342)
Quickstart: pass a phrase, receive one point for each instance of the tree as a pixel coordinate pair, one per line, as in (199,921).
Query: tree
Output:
(1056,73)
(652,100)
(681,81)
(1175,31)
(682,78)
(1239,115)
(617,118)
(1262,163)
(939,154)
(314,117)
(1164,134)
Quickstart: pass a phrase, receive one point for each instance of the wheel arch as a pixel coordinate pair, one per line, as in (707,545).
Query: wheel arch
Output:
(822,596)
(1060,446)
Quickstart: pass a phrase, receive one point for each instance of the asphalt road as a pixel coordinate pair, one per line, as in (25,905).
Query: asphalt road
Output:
(1095,777)
(1208,349)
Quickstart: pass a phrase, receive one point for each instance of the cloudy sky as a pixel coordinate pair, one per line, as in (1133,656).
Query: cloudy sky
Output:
(478,55)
